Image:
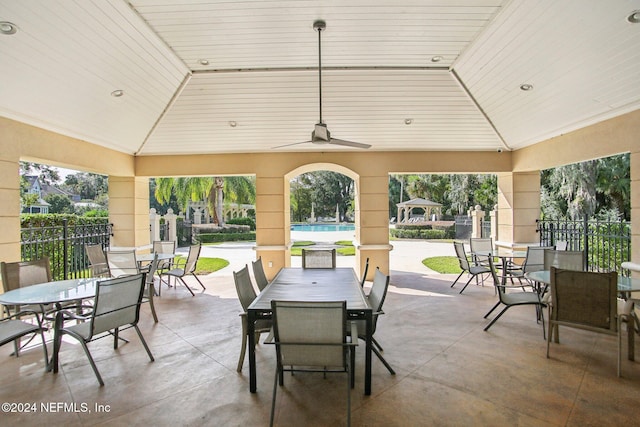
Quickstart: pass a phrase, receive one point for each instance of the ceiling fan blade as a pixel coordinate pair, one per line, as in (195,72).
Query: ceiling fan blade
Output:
(342,142)
(288,145)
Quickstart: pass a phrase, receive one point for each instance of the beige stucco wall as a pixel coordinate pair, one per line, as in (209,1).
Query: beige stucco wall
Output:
(370,169)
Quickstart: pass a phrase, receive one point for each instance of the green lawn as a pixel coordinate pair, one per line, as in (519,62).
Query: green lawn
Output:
(205,265)
(443,264)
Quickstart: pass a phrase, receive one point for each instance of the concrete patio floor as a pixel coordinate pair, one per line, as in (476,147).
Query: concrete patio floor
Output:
(449,371)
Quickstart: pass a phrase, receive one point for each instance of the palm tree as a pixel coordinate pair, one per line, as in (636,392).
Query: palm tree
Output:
(239,189)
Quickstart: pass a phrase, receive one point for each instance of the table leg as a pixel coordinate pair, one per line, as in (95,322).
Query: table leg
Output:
(367,358)
(251,328)
(57,338)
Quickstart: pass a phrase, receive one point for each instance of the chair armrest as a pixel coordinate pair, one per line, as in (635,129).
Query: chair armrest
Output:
(354,334)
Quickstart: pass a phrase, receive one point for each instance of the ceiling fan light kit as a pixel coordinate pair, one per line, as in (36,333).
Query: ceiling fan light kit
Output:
(321,134)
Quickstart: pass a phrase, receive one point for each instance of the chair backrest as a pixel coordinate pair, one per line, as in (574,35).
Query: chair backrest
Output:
(481,244)
(117,303)
(496,280)
(584,299)
(378,294)
(310,334)
(25,273)
(364,274)
(152,269)
(192,259)
(258,273)
(164,247)
(122,262)
(462,256)
(535,258)
(97,259)
(244,287)
(318,258)
(561,245)
(567,260)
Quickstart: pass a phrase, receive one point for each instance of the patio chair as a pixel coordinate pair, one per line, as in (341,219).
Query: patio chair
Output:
(318,258)
(466,267)
(585,300)
(97,260)
(534,261)
(258,273)
(376,299)
(561,245)
(312,337)
(122,262)
(164,247)
(513,299)
(12,329)
(22,274)
(246,295)
(181,268)
(116,308)
(566,260)
(150,288)
(364,274)
(481,244)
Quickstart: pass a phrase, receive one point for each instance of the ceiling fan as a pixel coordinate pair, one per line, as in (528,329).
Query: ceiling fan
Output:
(321,134)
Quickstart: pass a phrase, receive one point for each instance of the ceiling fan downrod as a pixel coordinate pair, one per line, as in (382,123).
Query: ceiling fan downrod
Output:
(320,26)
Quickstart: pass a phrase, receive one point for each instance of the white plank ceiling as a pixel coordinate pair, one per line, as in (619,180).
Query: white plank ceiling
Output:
(189,70)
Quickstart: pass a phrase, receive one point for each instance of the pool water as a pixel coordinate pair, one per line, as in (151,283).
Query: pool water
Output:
(323,227)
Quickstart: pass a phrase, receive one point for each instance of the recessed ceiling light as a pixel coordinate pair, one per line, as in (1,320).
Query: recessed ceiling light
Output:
(408,121)
(634,17)
(436,58)
(8,28)
(204,62)
(117,93)
(233,123)
(526,87)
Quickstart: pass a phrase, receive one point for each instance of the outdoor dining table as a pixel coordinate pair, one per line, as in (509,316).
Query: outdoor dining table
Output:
(55,292)
(626,285)
(323,284)
(505,255)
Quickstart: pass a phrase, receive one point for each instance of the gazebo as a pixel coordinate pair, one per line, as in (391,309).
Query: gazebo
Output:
(430,208)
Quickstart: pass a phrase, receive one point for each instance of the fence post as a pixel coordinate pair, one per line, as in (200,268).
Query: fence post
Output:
(65,251)
(476,226)
(585,235)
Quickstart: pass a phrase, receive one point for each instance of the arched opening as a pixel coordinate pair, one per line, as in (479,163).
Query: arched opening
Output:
(314,167)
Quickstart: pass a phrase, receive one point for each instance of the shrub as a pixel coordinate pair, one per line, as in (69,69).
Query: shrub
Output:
(244,221)
(226,237)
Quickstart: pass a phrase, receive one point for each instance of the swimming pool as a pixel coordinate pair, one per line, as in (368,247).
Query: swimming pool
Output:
(323,227)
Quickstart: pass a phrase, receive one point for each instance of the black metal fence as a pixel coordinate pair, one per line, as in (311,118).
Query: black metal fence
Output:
(606,244)
(64,245)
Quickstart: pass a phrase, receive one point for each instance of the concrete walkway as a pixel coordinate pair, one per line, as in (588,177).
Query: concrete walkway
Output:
(406,256)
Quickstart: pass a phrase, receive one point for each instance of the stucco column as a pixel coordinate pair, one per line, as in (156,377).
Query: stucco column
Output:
(271,223)
(154,223)
(518,208)
(372,215)
(9,208)
(129,211)
(477,215)
(635,203)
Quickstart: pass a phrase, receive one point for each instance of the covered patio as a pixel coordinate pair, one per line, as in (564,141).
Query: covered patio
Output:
(449,372)
(148,88)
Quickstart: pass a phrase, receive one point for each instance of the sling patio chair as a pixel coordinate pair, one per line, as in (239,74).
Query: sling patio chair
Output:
(312,337)
(164,247)
(97,260)
(513,298)
(586,300)
(122,262)
(116,308)
(258,273)
(182,268)
(26,273)
(12,328)
(479,245)
(246,295)
(318,258)
(150,288)
(466,266)
(534,261)
(376,299)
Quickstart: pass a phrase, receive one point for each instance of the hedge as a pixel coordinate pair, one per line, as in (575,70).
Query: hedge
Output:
(422,233)
(243,221)
(225,237)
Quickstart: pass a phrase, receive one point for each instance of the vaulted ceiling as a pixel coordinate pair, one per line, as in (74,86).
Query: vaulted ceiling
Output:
(220,76)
